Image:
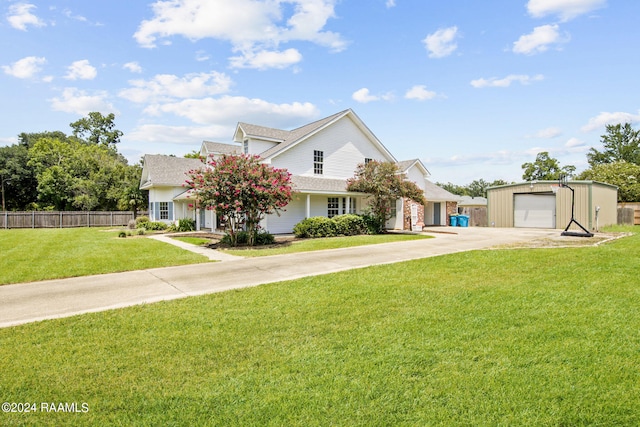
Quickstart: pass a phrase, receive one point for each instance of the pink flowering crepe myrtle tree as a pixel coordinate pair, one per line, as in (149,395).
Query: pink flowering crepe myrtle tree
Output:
(385,183)
(242,190)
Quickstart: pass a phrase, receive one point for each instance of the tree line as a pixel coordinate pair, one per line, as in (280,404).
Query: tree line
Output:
(83,171)
(618,163)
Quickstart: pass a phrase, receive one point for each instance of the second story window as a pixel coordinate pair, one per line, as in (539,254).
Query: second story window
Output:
(367,160)
(318,161)
(245,146)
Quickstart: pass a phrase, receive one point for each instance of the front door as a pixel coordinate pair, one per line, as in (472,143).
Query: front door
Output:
(436,214)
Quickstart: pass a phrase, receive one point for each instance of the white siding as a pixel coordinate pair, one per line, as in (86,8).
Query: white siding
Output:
(415,175)
(257,146)
(284,223)
(344,146)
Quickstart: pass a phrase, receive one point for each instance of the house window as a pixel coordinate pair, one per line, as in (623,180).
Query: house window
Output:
(367,160)
(245,146)
(348,205)
(164,210)
(333,206)
(318,159)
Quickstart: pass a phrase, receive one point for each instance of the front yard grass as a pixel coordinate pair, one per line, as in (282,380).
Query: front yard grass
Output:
(306,245)
(28,255)
(545,337)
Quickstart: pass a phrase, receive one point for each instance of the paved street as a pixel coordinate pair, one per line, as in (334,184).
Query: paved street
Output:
(28,302)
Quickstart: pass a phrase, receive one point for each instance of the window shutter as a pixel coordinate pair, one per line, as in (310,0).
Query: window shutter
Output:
(156,211)
(170,211)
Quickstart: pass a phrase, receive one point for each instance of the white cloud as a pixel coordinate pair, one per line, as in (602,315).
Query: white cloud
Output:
(564,9)
(20,16)
(79,102)
(420,93)
(202,55)
(391,3)
(250,26)
(165,87)
(442,42)
(605,118)
(178,134)
(506,81)
(548,133)
(266,59)
(25,68)
(364,96)
(133,66)
(539,40)
(231,109)
(81,70)
(574,143)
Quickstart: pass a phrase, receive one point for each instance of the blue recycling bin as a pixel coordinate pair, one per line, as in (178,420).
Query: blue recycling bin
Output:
(463,220)
(453,220)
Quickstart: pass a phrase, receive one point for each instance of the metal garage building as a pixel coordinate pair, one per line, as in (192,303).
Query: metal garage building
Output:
(544,204)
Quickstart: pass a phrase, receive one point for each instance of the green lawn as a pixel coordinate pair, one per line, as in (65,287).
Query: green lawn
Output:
(30,255)
(197,241)
(307,245)
(544,337)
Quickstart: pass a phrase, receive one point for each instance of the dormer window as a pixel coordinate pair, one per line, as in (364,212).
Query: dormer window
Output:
(245,146)
(318,162)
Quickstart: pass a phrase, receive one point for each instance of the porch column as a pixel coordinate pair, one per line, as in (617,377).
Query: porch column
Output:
(308,211)
(348,205)
(214,220)
(198,219)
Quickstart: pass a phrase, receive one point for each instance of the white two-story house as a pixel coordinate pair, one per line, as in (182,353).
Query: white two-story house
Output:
(321,156)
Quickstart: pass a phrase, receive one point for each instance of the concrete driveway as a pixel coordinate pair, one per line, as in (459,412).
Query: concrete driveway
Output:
(29,302)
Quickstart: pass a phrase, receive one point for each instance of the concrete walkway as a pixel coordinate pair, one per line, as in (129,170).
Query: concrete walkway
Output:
(29,302)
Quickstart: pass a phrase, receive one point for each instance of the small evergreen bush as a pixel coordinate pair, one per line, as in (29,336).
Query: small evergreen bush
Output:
(265,238)
(185,224)
(350,225)
(155,226)
(341,225)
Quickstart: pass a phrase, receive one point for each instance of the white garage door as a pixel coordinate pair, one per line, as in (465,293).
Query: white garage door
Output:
(534,211)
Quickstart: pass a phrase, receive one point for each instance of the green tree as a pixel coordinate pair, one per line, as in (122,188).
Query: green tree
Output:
(74,175)
(459,190)
(195,154)
(385,184)
(20,184)
(241,189)
(545,168)
(624,175)
(621,143)
(97,129)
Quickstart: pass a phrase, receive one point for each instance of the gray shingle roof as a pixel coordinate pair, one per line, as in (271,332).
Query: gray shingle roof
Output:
(162,170)
(221,148)
(313,184)
(433,193)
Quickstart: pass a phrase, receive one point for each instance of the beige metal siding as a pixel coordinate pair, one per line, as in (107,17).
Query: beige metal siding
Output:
(588,195)
(606,197)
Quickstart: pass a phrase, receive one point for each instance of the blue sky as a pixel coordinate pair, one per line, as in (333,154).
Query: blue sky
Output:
(472,88)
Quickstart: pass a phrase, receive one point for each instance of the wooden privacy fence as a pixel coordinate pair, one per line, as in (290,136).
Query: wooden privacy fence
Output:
(64,219)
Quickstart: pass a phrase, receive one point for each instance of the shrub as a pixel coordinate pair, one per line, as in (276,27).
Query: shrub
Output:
(341,225)
(141,220)
(122,234)
(350,225)
(132,224)
(316,226)
(186,224)
(264,238)
(242,238)
(141,231)
(155,226)
(373,224)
